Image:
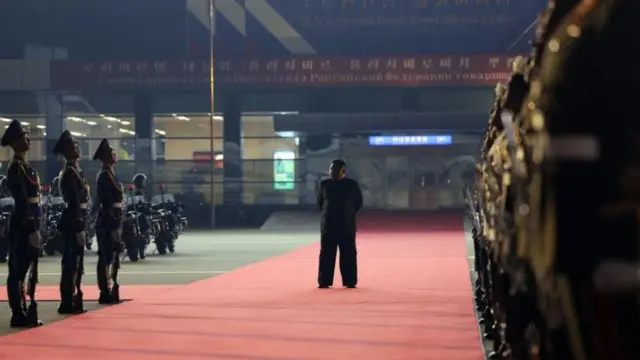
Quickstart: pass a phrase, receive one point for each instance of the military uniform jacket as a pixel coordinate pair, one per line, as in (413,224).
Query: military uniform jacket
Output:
(339,202)
(24,185)
(110,196)
(75,192)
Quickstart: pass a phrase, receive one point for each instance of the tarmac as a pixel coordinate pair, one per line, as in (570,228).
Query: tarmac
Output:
(199,255)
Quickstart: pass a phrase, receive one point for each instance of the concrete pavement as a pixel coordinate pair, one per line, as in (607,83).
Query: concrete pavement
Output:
(198,256)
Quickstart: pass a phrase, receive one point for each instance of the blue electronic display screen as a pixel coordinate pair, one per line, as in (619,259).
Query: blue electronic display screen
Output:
(411,140)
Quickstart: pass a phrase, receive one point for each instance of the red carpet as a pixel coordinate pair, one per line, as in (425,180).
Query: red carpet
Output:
(413,302)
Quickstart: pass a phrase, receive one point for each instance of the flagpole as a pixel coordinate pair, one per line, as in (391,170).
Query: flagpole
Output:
(212,108)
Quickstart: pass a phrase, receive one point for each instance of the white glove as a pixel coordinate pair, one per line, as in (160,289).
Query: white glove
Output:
(117,235)
(35,239)
(81,238)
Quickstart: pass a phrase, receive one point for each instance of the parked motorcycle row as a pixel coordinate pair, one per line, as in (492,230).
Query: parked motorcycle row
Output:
(149,224)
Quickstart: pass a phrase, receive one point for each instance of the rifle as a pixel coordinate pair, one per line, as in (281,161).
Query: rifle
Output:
(164,220)
(136,227)
(78,298)
(32,310)
(115,267)
(32,281)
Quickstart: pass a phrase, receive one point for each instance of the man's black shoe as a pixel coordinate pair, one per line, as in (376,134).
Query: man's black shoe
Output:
(323,286)
(350,286)
(104,299)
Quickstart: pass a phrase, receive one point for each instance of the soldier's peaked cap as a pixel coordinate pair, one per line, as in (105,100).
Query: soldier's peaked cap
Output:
(13,132)
(65,140)
(102,149)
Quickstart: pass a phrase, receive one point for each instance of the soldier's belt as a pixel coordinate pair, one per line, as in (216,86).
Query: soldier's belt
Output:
(117,205)
(82,206)
(574,147)
(34,200)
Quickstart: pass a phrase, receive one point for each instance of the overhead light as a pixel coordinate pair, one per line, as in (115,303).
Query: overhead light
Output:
(286,134)
(126,131)
(182,118)
(81,120)
(160,132)
(77,134)
(41,127)
(115,119)
(5,119)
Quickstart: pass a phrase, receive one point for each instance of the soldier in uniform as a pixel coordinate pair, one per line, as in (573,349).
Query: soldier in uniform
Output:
(25,240)
(73,225)
(339,198)
(583,130)
(108,224)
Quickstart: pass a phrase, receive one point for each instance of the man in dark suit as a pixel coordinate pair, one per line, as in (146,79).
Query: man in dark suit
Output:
(339,198)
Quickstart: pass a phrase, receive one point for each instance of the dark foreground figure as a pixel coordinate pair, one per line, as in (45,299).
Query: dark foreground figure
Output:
(559,276)
(339,198)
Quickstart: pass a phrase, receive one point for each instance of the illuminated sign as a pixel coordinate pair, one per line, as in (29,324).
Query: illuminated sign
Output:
(287,72)
(412,140)
(284,170)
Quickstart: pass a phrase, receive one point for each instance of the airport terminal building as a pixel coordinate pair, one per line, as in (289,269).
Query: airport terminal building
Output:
(244,113)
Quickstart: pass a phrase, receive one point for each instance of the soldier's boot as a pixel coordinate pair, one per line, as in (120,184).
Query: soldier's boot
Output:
(115,294)
(78,298)
(78,303)
(103,283)
(18,319)
(66,306)
(32,315)
(15,293)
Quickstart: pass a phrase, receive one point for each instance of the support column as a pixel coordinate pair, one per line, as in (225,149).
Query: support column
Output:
(145,151)
(232,148)
(305,195)
(411,100)
(50,105)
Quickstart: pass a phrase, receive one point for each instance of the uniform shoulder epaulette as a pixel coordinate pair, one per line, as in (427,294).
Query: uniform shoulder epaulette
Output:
(17,166)
(73,170)
(12,169)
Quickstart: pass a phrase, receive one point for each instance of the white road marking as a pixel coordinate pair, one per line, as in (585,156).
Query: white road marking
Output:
(144,273)
(261,242)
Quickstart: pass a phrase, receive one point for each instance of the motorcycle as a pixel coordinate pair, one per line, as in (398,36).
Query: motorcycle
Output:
(91,224)
(137,228)
(52,207)
(172,220)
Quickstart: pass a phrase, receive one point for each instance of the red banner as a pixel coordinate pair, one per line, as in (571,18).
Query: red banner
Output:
(294,72)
